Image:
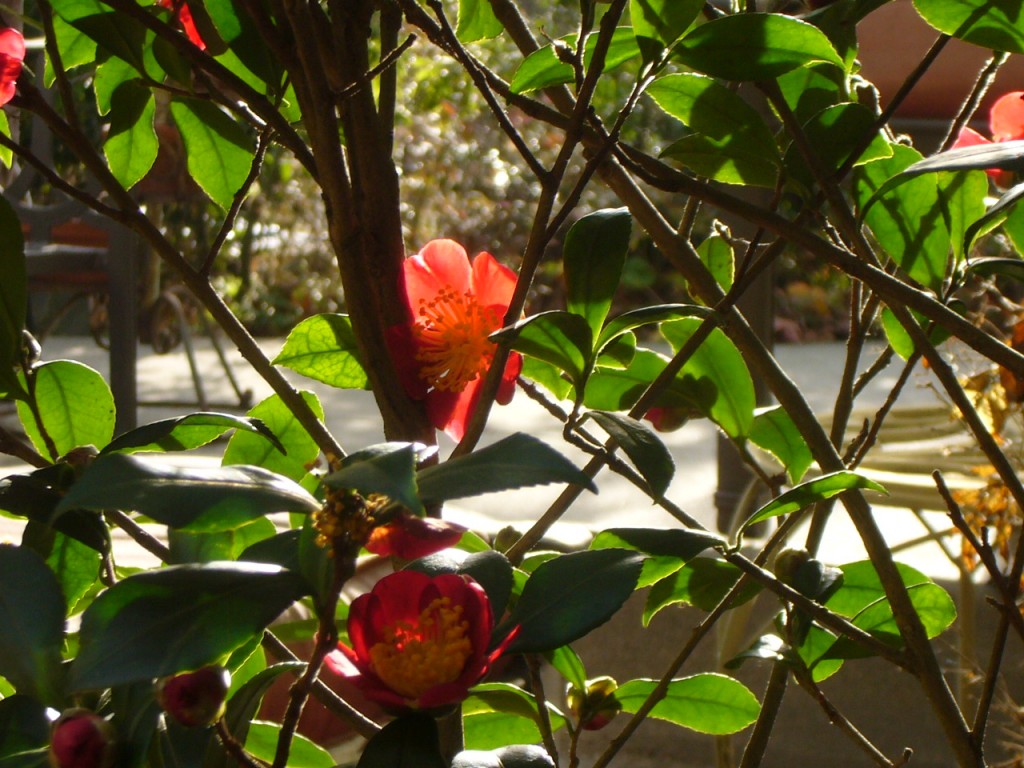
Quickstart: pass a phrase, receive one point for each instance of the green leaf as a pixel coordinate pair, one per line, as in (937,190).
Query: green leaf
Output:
(76,406)
(208,547)
(832,134)
(706,703)
(667,550)
(567,597)
(560,338)
(76,565)
(516,461)
(323,347)
(658,23)
(185,433)
(237,28)
(387,468)
(1001,212)
(13,297)
(730,142)
(262,744)
(291,454)
(477,21)
(811,89)
(76,48)
(410,741)
(569,665)
(964,196)
(196,498)
(593,256)
(721,369)
(1009,267)
(900,340)
(115,33)
(6,154)
(497,714)
(131,145)
(811,492)
(543,68)
(32,612)
(702,583)
(862,587)
(158,623)
(24,725)
(717,255)
(727,161)
(774,431)
(993,24)
(35,496)
(754,46)
(220,151)
(644,448)
(908,220)
(637,318)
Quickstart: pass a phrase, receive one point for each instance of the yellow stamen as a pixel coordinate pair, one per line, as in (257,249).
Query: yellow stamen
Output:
(416,655)
(451,332)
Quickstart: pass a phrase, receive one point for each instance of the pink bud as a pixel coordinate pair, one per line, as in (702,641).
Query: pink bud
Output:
(195,699)
(81,739)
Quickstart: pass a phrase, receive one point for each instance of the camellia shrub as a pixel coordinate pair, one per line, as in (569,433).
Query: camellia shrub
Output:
(328,572)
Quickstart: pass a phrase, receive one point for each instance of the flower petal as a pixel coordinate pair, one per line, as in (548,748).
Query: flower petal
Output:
(1006,118)
(409,537)
(441,264)
(493,283)
(450,411)
(12,44)
(507,388)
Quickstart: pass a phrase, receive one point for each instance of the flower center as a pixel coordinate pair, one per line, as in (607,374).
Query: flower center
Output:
(451,333)
(416,655)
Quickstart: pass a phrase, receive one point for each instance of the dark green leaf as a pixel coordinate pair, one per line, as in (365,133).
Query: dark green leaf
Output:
(185,433)
(282,550)
(13,297)
(567,597)
(35,496)
(993,24)
(117,34)
(774,431)
(158,623)
(323,347)
(667,550)
(811,89)
(514,756)
(706,703)
(811,492)
(832,134)
(993,216)
(593,256)
(291,454)
(197,498)
(24,725)
(220,152)
(410,741)
(76,407)
(388,468)
(728,161)
(556,337)
(76,565)
(721,369)
(657,23)
(908,220)
(543,68)
(206,547)
(32,612)
(477,21)
(516,461)
(1012,268)
(131,144)
(702,583)
(136,715)
(754,46)
(636,318)
(644,448)
(237,28)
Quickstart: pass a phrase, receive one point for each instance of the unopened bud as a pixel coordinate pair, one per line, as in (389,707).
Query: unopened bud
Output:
(80,738)
(594,707)
(195,699)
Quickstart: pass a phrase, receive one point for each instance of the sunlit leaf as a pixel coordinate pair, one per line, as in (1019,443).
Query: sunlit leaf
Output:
(706,703)
(560,338)
(996,25)
(543,68)
(811,492)
(323,347)
(593,257)
(219,150)
(774,431)
(185,433)
(657,23)
(131,145)
(291,454)
(477,21)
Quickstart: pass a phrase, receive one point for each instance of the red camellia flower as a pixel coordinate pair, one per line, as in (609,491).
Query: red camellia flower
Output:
(184,15)
(1006,122)
(12,54)
(418,641)
(408,537)
(445,353)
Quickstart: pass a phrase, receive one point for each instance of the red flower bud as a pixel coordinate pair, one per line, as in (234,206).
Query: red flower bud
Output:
(594,707)
(195,699)
(81,739)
